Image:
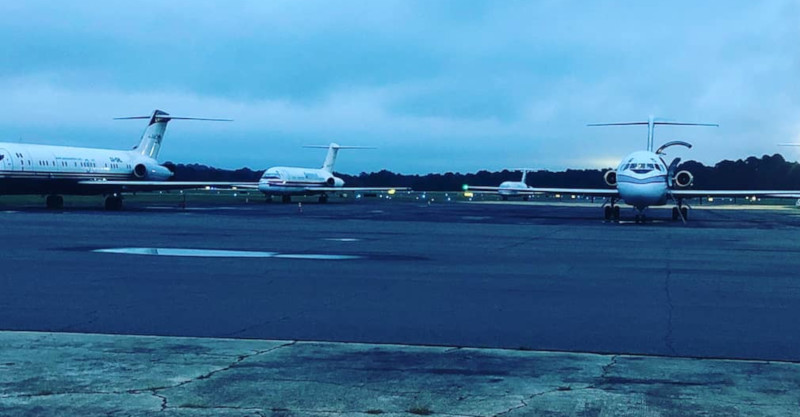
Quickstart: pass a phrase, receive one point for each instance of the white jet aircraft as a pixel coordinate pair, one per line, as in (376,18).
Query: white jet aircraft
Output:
(509,189)
(57,170)
(643,179)
(289,181)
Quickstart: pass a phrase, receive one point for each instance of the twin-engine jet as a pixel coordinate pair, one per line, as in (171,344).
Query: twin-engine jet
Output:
(294,181)
(643,179)
(508,189)
(65,170)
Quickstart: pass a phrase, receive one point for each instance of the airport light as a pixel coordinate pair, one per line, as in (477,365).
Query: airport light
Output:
(391,192)
(710,199)
(465,187)
(468,194)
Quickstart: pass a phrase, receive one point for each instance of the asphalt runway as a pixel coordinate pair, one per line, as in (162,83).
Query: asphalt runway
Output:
(541,277)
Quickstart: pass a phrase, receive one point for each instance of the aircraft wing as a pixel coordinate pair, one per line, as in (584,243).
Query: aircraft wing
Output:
(594,192)
(486,189)
(366,189)
(735,193)
(134,186)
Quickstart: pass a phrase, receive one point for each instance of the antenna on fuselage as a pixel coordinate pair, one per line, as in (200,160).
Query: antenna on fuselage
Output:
(651,123)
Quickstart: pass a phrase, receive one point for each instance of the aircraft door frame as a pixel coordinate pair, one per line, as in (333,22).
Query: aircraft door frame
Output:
(6,160)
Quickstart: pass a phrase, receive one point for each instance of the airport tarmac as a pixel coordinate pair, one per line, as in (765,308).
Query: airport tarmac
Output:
(67,374)
(519,276)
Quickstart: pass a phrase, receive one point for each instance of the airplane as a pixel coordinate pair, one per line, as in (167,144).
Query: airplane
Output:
(289,181)
(65,170)
(509,188)
(643,179)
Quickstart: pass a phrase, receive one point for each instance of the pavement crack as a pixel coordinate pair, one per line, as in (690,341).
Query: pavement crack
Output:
(156,391)
(522,404)
(607,367)
(163,399)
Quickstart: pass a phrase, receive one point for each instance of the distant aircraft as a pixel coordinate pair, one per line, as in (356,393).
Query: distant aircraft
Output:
(643,179)
(289,181)
(509,188)
(58,170)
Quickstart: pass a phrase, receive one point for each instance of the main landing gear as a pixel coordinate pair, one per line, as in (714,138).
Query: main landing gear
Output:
(286,199)
(611,211)
(114,202)
(680,212)
(54,202)
(323,198)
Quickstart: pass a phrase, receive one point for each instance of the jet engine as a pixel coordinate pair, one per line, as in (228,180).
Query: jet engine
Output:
(610,178)
(334,182)
(151,172)
(683,179)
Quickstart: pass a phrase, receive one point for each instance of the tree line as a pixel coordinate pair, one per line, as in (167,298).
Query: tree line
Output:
(768,172)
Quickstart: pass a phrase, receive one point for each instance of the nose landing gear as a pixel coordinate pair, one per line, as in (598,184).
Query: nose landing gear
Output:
(611,211)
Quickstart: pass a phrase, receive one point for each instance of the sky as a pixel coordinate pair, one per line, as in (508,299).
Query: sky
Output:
(434,85)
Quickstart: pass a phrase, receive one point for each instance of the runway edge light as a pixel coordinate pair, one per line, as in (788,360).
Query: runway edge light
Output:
(465,187)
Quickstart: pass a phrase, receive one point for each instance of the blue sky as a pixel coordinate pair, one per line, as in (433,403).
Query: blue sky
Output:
(435,85)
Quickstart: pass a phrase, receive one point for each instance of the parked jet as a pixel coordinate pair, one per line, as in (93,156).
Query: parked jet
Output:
(509,188)
(644,179)
(289,181)
(57,170)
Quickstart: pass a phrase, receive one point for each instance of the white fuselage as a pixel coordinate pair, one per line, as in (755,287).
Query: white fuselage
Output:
(511,188)
(33,169)
(297,181)
(642,180)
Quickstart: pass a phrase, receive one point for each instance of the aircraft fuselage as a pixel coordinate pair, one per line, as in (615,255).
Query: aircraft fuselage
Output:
(47,169)
(642,180)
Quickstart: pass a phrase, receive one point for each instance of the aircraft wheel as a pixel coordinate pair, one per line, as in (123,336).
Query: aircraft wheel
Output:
(685,212)
(616,213)
(54,202)
(286,199)
(113,203)
(607,212)
(323,199)
(675,213)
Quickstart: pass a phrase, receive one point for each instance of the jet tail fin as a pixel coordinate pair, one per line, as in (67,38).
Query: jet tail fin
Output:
(150,143)
(333,151)
(651,123)
(525,172)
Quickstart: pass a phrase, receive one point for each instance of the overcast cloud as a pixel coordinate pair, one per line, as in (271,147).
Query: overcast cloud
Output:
(435,85)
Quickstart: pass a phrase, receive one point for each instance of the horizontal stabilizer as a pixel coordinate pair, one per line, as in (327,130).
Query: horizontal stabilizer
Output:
(168,117)
(338,147)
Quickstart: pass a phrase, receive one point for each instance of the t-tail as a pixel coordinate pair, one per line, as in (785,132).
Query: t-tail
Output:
(150,143)
(333,152)
(525,172)
(651,124)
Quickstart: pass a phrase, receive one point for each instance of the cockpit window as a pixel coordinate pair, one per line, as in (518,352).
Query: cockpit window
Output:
(642,168)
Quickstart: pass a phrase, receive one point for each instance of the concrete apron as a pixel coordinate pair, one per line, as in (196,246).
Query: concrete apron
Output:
(64,374)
